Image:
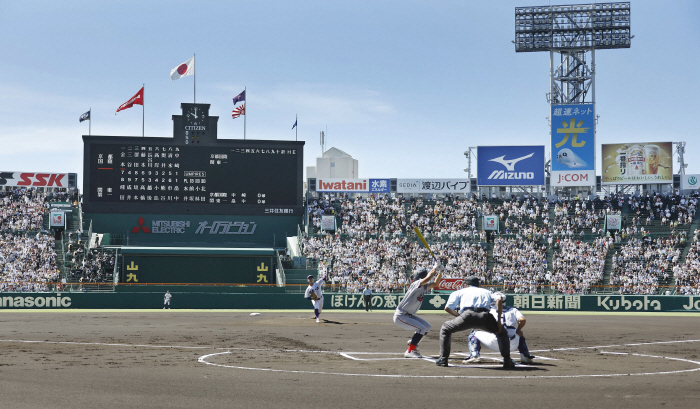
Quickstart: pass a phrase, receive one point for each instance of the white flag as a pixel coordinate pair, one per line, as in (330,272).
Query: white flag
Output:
(182,70)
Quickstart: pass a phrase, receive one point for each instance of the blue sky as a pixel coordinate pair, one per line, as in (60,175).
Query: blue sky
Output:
(403,86)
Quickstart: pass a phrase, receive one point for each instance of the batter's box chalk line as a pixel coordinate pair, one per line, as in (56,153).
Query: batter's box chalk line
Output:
(358,356)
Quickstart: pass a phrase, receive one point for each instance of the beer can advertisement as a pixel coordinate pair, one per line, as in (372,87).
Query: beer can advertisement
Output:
(637,163)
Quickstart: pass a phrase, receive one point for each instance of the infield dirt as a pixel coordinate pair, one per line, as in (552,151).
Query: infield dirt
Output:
(216,359)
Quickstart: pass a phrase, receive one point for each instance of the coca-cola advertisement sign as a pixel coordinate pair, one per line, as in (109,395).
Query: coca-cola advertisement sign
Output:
(450,284)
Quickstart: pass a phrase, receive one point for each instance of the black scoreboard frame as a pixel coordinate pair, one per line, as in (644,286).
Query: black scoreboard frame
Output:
(196,130)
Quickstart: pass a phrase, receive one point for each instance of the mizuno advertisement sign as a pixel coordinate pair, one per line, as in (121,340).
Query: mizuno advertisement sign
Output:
(510,165)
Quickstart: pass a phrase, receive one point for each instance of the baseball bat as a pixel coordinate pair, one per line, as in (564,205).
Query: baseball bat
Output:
(425,243)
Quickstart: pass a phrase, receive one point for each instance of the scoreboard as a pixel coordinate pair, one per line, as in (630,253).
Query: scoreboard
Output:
(192,173)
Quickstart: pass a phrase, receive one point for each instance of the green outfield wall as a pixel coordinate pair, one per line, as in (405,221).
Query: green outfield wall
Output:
(245,298)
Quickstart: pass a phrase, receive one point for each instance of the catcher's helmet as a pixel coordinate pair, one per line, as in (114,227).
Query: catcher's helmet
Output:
(496,296)
(420,274)
(472,281)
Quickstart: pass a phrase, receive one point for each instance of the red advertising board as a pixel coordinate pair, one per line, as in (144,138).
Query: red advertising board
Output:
(34,179)
(450,284)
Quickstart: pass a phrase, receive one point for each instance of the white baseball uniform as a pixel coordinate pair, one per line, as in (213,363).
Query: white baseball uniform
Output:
(509,319)
(316,289)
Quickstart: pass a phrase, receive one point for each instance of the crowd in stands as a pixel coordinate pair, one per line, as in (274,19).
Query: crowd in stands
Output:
(688,276)
(578,265)
(27,252)
(642,262)
(27,262)
(374,243)
(22,210)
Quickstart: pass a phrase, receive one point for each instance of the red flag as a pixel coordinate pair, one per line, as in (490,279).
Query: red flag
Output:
(238,112)
(136,99)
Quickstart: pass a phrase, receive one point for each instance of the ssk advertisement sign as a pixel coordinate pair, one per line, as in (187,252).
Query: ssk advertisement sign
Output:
(573,145)
(40,179)
(510,165)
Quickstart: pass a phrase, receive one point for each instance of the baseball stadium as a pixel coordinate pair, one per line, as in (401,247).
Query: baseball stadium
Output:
(194,270)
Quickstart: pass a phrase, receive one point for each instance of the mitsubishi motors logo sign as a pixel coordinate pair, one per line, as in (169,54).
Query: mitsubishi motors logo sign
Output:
(141,227)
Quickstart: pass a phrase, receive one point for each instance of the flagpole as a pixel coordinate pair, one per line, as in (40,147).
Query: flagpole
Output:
(245,116)
(296,128)
(143,112)
(195,77)
(90,122)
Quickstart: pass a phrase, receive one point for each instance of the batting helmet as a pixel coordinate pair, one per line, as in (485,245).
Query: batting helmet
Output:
(498,296)
(472,281)
(420,274)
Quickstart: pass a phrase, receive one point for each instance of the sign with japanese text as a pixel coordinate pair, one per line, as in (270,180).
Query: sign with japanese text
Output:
(353,185)
(432,185)
(573,145)
(490,222)
(637,163)
(690,181)
(613,222)
(510,165)
(327,222)
(57,219)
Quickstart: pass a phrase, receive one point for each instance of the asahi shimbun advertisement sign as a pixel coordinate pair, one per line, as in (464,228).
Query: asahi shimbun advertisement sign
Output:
(573,145)
(637,163)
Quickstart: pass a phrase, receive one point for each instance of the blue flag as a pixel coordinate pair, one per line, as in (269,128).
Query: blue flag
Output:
(85,116)
(239,98)
(295,124)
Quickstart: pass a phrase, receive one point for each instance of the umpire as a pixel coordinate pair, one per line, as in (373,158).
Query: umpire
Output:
(473,305)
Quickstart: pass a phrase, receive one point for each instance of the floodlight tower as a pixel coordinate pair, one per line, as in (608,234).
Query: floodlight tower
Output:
(574,32)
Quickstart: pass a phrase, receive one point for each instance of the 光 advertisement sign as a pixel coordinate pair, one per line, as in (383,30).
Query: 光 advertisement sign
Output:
(637,163)
(510,165)
(573,145)
(432,185)
(353,185)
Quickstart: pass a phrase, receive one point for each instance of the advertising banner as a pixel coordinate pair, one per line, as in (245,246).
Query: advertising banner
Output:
(57,219)
(33,179)
(491,222)
(432,185)
(353,185)
(613,222)
(637,163)
(573,145)
(327,222)
(510,165)
(450,284)
(690,181)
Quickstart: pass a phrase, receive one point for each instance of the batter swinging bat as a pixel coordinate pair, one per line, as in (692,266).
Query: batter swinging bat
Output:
(425,243)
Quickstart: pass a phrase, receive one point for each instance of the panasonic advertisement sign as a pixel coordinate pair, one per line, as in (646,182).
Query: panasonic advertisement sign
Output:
(510,165)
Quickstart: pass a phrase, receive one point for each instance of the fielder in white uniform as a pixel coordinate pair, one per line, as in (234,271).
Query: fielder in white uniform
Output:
(166,299)
(513,321)
(410,304)
(314,293)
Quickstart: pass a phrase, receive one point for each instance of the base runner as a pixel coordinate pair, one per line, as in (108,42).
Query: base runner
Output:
(314,293)
(513,321)
(405,317)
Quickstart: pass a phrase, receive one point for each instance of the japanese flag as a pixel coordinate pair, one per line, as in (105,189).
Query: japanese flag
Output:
(182,70)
